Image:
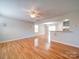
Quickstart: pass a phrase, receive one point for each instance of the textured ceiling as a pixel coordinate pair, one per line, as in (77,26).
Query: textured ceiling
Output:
(15,9)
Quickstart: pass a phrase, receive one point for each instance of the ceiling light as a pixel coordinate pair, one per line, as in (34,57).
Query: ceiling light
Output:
(33,13)
(66,20)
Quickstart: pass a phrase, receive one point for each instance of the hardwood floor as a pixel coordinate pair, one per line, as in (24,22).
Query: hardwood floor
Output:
(24,49)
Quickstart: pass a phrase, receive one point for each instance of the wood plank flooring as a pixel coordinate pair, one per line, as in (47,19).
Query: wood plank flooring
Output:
(24,49)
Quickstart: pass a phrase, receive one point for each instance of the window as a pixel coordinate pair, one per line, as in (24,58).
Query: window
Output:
(36,28)
(58,26)
(52,28)
(66,25)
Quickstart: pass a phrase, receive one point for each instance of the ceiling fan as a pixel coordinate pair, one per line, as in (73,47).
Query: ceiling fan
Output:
(35,13)
(40,13)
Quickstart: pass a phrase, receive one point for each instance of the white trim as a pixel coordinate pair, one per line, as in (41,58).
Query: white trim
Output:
(66,43)
(16,39)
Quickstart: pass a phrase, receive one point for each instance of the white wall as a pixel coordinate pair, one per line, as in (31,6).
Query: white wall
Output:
(70,38)
(15,29)
(41,29)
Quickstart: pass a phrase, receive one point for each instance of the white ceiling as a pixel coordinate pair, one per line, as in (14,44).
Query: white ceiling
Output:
(15,9)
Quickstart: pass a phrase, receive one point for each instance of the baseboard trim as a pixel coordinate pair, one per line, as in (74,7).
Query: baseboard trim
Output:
(16,39)
(66,43)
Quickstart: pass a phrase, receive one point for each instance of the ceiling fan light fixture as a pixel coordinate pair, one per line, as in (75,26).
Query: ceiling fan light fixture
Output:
(34,13)
(33,16)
